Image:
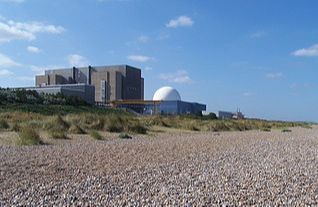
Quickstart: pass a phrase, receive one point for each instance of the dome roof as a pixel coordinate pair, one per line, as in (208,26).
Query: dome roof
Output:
(167,94)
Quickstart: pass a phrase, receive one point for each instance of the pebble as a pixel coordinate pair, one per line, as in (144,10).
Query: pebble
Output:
(171,169)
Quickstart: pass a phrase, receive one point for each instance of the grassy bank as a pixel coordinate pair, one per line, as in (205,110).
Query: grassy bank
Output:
(57,109)
(60,121)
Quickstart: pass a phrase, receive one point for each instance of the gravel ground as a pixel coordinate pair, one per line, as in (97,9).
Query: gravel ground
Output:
(169,169)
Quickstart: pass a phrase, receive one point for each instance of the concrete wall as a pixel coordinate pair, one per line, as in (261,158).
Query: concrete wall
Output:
(123,82)
(83,91)
(181,107)
(42,80)
(65,76)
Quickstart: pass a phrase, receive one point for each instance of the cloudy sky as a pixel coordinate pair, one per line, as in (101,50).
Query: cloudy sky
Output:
(258,55)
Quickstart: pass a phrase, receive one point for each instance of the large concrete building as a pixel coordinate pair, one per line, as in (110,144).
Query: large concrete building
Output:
(166,100)
(83,91)
(119,82)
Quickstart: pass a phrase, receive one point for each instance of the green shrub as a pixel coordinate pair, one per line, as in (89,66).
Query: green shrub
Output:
(137,128)
(4,124)
(16,127)
(124,136)
(75,129)
(28,136)
(95,135)
(191,125)
(286,130)
(266,129)
(115,124)
(57,124)
(57,134)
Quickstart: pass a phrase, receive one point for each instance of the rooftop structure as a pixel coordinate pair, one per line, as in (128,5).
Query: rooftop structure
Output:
(166,100)
(167,94)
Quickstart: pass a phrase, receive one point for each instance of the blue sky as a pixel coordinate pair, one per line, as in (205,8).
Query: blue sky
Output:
(260,56)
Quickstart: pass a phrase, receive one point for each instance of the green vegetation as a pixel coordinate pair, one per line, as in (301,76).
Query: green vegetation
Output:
(286,130)
(124,136)
(95,135)
(266,130)
(75,129)
(22,96)
(28,136)
(57,134)
(204,124)
(60,120)
(4,124)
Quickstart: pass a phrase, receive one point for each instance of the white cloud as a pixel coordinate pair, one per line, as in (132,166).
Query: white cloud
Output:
(5,72)
(143,39)
(25,78)
(258,34)
(248,94)
(274,75)
(181,21)
(11,30)
(39,70)
(33,49)
(307,52)
(77,60)
(163,36)
(140,58)
(181,76)
(148,68)
(6,61)
(300,86)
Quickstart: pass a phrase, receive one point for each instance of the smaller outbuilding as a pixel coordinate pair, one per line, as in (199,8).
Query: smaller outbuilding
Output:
(166,101)
(170,102)
(231,115)
(83,91)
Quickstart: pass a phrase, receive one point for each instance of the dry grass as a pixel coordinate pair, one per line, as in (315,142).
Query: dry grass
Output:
(29,136)
(75,129)
(4,124)
(96,135)
(59,126)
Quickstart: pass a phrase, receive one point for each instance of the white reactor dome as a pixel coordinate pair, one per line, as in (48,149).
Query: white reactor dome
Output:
(167,94)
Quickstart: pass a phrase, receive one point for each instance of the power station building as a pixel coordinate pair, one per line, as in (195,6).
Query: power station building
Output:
(166,101)
(118,86)
(119,82)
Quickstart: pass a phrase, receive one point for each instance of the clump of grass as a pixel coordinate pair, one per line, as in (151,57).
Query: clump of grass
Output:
(95,135)
(115,124)
(15,127)
(29,136)
(191,125)
(158,121)
(266,129)
(307,126)
(57,124)
(75,129)
(4,124)
(97,124)
(286,130)
(137,127)
(57,134)
(124,136)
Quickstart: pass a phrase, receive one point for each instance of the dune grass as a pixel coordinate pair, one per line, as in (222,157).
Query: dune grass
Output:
(4,124)
(75,129)
(114,121)
(95,135)
(124,136)
(29,136)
